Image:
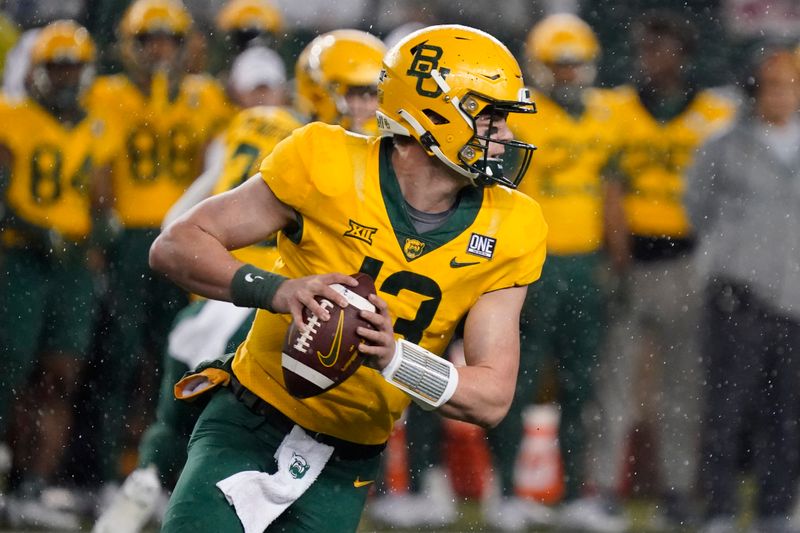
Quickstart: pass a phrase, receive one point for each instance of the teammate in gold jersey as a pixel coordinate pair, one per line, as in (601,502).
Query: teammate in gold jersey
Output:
(206,329)
(665,119)
(53,151)
(336,76)
(564,315)
(167,118)
(430,213)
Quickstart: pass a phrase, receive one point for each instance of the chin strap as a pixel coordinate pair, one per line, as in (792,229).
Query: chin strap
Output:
(429,143)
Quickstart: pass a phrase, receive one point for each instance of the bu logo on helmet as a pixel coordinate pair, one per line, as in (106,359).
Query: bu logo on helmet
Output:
(426,58)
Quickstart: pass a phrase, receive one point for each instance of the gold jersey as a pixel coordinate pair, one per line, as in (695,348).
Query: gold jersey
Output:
(353,218)
(248,139)
(655,156)
(52,166)
(163,141)
(565,175)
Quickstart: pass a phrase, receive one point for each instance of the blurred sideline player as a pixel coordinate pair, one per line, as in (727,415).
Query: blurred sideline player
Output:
(168,118)
(50,163)
(564,314)
(652,368)
(336,78)
(206,329)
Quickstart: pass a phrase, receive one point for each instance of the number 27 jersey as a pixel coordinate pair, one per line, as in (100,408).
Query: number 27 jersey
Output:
(352,218)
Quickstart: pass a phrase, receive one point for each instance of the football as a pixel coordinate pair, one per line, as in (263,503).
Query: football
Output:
(324,354)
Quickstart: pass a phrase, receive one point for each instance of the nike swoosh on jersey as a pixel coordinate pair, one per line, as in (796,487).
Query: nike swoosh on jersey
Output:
(456,264)
(358,483)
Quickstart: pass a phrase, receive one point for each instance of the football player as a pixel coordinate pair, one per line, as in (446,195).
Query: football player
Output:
(53,151)
(207,329)
(563,315)
(665,117)
(336,77)
(428,211)
(167,119)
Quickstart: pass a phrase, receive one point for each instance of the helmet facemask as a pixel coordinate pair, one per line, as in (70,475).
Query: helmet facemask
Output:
(59,85)
(151,56)
(506,167)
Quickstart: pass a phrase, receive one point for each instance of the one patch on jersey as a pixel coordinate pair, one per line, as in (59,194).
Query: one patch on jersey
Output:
(360,232)
(481,245)
(413,248)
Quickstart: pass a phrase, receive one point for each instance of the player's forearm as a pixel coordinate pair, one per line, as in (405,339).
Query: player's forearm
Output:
(480,397)
(195,260)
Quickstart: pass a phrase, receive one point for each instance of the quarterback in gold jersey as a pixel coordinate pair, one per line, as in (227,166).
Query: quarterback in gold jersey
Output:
(166,118)
(53,151)
(429,212)
(665,119)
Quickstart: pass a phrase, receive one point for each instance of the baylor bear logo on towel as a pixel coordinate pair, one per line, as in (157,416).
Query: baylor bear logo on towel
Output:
(299,466)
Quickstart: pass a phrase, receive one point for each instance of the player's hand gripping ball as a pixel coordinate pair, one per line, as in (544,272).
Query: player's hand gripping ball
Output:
(324,354)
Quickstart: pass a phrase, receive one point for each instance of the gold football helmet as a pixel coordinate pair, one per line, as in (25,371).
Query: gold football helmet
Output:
(62,57)
(434,85)
(332,65)
(153,38)
(562,38)
(63,41)
(156,16)
(250,15)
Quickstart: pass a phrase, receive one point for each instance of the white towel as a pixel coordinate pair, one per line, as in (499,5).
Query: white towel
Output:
(205,335)
(260,498)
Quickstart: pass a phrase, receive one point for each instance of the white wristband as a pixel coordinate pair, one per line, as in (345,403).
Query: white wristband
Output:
(430,380)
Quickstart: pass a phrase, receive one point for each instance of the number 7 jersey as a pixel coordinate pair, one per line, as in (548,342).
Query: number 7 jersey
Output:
(352,217)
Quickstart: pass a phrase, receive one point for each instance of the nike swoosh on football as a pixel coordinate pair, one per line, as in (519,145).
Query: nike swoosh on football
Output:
(456,264)
(358,483)
(333,354)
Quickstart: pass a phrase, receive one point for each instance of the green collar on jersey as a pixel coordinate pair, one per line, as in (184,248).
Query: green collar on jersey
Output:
(414,244)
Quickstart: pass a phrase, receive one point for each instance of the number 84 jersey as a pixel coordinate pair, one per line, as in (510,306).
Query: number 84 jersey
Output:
(352,217)
(53,164)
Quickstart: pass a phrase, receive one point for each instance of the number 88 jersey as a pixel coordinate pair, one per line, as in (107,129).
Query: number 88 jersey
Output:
(352,218)
(163,139)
